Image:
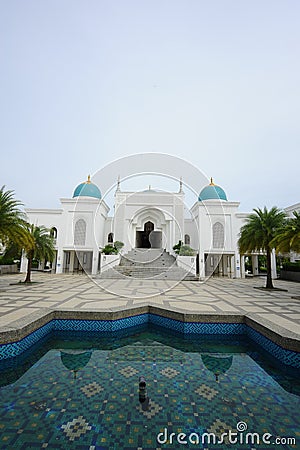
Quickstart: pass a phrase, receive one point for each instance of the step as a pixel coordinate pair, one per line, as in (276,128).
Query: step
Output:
(147,258)
(148,264)
(175,273)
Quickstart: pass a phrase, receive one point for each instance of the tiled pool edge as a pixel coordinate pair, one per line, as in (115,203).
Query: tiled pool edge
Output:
(16,341)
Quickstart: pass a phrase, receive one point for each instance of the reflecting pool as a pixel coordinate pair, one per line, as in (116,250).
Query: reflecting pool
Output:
(81,391)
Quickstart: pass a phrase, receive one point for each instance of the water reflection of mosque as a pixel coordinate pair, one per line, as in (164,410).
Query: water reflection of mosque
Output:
(217,364)
(75,360)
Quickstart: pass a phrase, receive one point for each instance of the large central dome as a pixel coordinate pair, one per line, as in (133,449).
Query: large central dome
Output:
(87,189)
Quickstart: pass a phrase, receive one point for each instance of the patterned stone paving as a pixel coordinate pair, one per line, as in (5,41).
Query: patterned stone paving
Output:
(19,303)
(89,409)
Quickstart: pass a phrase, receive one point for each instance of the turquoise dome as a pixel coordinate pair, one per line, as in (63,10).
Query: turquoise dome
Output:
(87,189)
(212,192)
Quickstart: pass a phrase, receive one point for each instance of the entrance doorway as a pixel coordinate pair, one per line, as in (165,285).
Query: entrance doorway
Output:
(142,237)
(148,238)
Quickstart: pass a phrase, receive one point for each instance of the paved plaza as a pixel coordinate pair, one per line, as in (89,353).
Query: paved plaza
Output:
(21,304)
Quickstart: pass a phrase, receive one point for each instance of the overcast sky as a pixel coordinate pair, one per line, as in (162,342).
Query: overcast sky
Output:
(214,82)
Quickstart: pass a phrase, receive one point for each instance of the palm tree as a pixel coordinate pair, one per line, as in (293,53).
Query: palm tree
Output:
(258,233)
(42,248)
(288,238)
(13,225)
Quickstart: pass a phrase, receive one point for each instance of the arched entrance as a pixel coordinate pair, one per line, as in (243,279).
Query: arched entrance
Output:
(148,238)
(142,237)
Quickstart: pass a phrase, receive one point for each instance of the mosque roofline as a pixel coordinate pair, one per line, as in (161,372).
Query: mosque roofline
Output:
(220,203)
(243,215)
(43,210)
(84,200)
(294,207)
(217,202)
(149,191)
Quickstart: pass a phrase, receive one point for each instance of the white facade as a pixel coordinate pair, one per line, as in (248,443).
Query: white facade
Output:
(148,218)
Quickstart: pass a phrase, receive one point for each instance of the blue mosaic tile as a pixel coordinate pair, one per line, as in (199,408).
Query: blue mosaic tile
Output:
(166,323)
(128,322)
(82,325)
(14,349)
(214,328)
(288,357)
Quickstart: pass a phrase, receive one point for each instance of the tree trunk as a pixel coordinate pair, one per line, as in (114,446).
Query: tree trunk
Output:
(269,271)
(28,275)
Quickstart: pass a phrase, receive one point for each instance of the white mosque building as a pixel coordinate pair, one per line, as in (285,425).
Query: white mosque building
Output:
(149,219)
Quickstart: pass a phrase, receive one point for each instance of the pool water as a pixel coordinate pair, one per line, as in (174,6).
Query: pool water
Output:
(81,391)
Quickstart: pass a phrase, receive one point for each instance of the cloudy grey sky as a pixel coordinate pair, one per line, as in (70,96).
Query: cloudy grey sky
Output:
(214,82)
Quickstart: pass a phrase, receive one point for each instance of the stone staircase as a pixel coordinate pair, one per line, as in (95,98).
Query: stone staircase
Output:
(150,264)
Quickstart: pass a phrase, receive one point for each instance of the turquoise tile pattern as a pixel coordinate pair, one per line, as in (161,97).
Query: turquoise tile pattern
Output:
(83,394)
(16,348)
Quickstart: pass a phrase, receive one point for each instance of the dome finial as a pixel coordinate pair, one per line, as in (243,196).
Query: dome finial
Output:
(89,179)
(211,182)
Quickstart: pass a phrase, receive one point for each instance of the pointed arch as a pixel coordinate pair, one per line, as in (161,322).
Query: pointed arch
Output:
(80,232)
(218,235)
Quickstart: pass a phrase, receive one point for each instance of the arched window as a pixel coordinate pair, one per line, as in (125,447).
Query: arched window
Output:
(187,239)
(148,227)
(110,238)
(218,235)
(53,232)
(80,232)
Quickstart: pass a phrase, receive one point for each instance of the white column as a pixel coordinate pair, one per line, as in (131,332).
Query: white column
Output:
(243,272)
(72,258)
(59,262)
(273,264)
(201,266)
(237,265)
(255,270)
(95,261)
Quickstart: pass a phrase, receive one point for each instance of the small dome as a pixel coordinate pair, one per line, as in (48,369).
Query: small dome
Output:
(150,190)
(87,189)
(212,192)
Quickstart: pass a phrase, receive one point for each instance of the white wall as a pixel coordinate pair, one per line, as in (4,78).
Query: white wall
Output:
(109,261)
(187,263)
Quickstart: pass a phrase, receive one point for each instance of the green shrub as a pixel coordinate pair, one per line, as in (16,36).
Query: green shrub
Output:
(4,260)
(186,250)
(110,250)
(177,247)
(183,250)
(113,249)
(291,266)
(118,245)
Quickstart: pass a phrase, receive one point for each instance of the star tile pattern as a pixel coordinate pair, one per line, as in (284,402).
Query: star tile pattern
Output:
(152,410)
(44,406)
(91,389)
(206,391)
(128,371)
(169,372)
(74,429)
